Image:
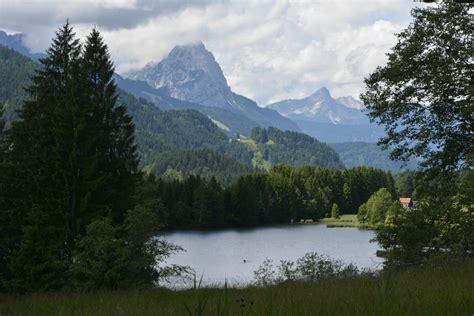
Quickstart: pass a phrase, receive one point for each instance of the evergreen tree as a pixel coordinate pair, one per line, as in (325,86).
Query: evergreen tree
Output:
(335,213)
(115,148)
(39,230)
(72,161)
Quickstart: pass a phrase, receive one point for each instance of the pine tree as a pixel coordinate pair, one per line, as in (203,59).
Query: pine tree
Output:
(116,148)
(72,161)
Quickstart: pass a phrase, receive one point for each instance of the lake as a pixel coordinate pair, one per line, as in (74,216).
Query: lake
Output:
(218,256)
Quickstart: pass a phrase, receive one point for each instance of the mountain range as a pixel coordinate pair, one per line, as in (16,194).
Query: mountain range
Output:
(322,108)
(191,73)
(177,134)
(330,119)
(184,103)
(190,77)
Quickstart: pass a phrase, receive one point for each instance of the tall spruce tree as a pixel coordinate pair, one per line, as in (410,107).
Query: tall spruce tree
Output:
(71,159)
(116,148)
(39,233)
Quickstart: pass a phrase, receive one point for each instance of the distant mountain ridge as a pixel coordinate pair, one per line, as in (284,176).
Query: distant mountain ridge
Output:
(321,107)
(16,42)
(329,119)
(191,73)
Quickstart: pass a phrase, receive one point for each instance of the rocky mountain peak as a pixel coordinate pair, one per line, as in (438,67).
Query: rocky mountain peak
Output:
(321,93)
(190,73)
(322,107)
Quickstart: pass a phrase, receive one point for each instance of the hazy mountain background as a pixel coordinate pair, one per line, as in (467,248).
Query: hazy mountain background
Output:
(329,119)
(16,42)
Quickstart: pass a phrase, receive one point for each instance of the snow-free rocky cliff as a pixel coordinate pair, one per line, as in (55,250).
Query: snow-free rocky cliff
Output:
(191,73)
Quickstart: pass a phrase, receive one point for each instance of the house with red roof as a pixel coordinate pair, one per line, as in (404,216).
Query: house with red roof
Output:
(406,202)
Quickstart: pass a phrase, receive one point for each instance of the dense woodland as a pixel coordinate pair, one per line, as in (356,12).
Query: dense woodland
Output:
(277,197)
(68,177)
(205,163)
(294,148)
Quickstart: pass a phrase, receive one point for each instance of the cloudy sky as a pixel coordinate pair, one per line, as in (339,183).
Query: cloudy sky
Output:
(268,50)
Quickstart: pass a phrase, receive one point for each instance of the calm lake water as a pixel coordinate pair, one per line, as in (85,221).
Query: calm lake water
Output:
(220,255)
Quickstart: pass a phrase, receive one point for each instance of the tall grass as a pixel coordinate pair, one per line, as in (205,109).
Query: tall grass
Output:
(433,290)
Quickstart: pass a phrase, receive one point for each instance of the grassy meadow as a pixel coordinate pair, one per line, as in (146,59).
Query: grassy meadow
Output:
(346,220)
(440,290)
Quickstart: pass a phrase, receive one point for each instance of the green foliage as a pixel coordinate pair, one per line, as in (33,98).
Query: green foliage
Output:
(376,208)
(284,194)
(439,290)
(199,162)
(423,94)
(423,97)
(441,224)
(335,213)
(259,135)
(406,183)
(69,173)
(128,256)
(293,148)
(362,215)
(100,257)
(309,268)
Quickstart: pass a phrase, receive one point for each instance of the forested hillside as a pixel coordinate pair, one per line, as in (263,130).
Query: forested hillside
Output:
(230,122)
(15,73)
(297,149)
(159,131)
(206,163)
(355,154)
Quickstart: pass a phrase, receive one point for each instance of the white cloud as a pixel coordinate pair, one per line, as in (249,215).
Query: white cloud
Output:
(268,50)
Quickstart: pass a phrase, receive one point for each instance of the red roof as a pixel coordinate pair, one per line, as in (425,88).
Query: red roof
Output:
(405,200)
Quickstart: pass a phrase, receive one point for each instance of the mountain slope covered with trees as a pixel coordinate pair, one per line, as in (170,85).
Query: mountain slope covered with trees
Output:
(16,71)
(273,146)
(179,165)
(355,154)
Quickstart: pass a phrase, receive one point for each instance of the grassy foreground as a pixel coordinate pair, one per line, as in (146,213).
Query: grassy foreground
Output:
(446,290)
